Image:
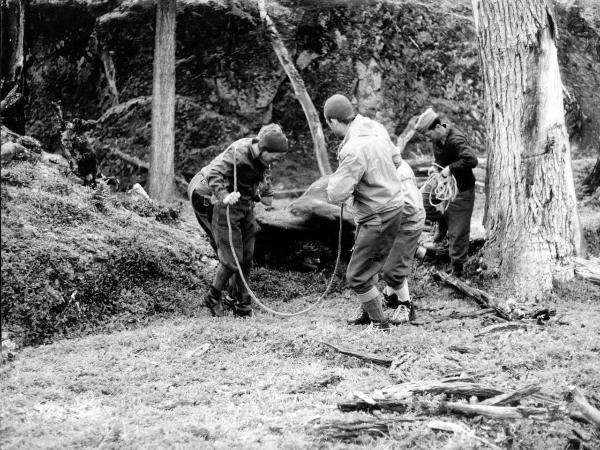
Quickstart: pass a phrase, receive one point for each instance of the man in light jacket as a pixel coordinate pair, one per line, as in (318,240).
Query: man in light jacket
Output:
(367,173)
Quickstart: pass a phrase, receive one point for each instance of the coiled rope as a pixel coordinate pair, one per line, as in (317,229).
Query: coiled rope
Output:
(441,188)
(239,267)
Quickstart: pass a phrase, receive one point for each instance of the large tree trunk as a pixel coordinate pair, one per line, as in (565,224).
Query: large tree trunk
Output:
(13,28)
(161,176)
(531,220)
(312,116)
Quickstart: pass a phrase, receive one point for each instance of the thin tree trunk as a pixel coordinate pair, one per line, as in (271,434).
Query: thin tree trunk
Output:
(13,32)
(161,175)
(531,220)
(111,75)
(312,116)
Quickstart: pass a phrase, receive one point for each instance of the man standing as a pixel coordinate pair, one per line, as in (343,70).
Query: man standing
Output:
(212,190)
(452,156)
(367,173)
(407,238)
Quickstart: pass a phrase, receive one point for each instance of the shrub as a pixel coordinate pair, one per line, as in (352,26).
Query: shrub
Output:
(49,289)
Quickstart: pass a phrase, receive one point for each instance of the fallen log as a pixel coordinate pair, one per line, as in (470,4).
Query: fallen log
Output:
(460,388)
(588,269)
(369,357)
(482,298)
(512,397)
(583,407)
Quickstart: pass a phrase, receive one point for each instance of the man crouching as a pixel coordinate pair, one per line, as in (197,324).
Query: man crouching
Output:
(213,189)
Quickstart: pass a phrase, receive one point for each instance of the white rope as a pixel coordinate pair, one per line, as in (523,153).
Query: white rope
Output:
(239,267)
(442,189)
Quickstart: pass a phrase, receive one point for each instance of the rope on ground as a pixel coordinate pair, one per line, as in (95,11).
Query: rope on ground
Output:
(239,267)
(443,189)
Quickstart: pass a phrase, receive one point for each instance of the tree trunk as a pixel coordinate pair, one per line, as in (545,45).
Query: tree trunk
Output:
(161,176)
(531,220)
(13,29)
(592,181)
(312,116)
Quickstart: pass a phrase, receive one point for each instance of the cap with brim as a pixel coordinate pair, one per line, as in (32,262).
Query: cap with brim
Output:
(426,119)
(274,142)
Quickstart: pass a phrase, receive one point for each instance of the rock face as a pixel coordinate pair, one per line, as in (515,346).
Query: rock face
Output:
(394,59)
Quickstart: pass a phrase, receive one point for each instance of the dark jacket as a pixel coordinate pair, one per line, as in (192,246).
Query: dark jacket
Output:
(455,152)
(251,172)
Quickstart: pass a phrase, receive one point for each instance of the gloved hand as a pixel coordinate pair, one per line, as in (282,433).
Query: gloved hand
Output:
(445,172)
(231,198)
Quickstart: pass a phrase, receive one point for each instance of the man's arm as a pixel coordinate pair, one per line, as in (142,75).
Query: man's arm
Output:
(219,173)
(343,181)
(466,155)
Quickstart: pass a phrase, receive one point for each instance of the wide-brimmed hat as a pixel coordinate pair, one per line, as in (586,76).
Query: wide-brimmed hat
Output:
(425,120)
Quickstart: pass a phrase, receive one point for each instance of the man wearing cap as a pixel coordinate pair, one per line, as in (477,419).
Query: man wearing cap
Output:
(212,190)
(452,156)
(367,173)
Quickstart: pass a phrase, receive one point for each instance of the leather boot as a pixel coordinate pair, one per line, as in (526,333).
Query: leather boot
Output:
(359,317)
(212,301)
(243,307)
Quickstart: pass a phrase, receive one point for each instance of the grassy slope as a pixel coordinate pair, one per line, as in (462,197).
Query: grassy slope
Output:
(259,383)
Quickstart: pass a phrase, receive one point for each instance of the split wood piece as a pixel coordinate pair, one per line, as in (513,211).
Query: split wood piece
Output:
(495,412)
(398,406)
(589,412)
(134,161)
(460,388)
(510,397)
(463,349)
(510,326)
(351,430)
(455,315)
(481,297)
(588,269)
(369,357)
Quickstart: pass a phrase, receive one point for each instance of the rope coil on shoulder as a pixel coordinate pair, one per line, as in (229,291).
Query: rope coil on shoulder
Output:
(443,189)
(239,267)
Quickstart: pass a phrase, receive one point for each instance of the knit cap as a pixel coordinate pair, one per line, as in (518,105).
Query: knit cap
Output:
(338,107)
(273,141)
(425,120)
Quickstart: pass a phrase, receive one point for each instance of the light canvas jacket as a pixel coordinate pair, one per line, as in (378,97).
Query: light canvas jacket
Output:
(366,171)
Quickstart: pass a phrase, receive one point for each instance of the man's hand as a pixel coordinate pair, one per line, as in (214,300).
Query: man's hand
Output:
(267,201)
(231,198)
(445,172)
(432,170)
